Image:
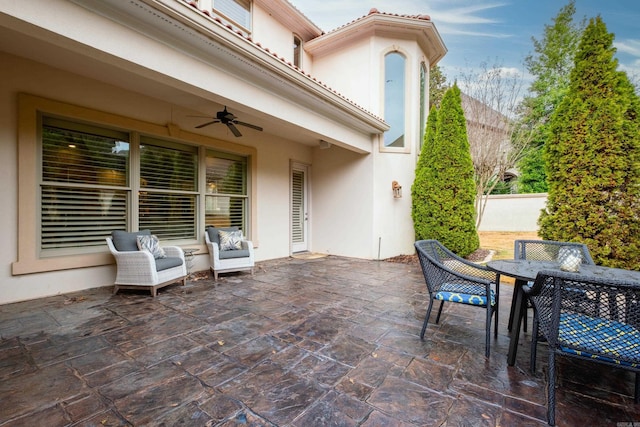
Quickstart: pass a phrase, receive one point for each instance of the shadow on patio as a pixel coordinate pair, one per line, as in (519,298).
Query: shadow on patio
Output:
(329,341)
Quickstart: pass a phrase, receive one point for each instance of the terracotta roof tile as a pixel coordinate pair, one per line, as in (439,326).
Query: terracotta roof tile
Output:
(374,11)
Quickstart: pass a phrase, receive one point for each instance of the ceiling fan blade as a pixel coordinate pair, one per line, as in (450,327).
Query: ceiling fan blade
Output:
(207,124)
(234,129)
(249,125)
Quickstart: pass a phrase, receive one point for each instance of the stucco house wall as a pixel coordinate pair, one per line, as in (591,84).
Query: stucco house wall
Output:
(156,67)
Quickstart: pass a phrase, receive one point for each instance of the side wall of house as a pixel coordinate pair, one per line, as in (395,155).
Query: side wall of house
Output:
(362,79)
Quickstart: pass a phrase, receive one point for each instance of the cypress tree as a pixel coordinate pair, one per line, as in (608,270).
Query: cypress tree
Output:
(592,157)
(423,183)
(444,190)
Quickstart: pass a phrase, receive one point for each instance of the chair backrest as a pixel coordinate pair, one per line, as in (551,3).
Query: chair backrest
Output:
(440,265)
(580,314)
(127,241)
(212,232)
(547,250)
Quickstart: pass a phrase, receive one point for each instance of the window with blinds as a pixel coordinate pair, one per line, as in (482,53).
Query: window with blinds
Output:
(84,189)
(168,189)
(226,197)
(88,179)
(238,11)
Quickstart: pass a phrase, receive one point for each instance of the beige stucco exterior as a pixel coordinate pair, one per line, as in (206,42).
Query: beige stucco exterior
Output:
(149,66)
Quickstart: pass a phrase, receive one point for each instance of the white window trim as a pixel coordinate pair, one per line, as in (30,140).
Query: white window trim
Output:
(29,110)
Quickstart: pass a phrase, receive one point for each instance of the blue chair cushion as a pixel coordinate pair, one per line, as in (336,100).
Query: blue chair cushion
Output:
(167,263)
(240,253)
(597,337)
(126,242)
(465,294)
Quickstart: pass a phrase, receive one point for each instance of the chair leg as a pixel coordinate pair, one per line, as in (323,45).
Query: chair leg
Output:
(487,341)
(511,313)
(439,312)
(637,389)
(534,344)
(496,307)
(551,400)
(426,319)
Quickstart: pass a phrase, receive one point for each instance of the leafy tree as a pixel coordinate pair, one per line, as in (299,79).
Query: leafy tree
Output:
(551,65)
(497,141)
(443,191)
(593,157)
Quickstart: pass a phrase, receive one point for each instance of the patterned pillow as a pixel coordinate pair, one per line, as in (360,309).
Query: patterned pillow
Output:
(151,244)
(230,240)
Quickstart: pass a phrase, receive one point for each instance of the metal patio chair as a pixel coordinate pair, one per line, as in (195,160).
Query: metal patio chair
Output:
(601,328)
(454,279)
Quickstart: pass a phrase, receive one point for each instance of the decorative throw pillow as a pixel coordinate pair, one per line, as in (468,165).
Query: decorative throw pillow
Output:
(230,240)
(151,244)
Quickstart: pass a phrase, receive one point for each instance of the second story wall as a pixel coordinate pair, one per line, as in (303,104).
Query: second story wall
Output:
(271,34)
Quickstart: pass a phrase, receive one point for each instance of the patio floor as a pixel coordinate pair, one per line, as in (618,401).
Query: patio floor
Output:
(318,342)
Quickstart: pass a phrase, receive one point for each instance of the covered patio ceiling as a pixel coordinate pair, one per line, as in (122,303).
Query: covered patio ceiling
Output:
(215,68)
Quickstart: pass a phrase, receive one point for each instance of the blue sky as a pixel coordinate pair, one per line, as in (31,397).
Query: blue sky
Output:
(492,32)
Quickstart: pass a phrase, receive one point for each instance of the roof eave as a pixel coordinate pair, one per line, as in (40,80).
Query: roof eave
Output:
(420,29)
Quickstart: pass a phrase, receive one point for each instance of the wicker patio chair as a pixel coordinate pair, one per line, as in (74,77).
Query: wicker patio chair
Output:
(602,328)
(454,279)
(224,261)
(139,269)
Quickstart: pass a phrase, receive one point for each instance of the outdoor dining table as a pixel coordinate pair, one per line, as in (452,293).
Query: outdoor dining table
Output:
(524,271)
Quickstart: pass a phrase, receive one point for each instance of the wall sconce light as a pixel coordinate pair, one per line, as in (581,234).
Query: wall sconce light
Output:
(397,190)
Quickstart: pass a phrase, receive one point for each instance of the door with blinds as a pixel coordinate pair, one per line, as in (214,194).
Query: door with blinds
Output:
(299,206)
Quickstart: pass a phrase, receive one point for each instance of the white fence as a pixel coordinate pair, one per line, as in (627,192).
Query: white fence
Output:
(513,212)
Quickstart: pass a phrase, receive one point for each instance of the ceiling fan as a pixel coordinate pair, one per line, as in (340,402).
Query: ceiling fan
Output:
(230,120)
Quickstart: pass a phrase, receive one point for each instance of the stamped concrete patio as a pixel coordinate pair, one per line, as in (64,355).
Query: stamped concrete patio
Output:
(320,342)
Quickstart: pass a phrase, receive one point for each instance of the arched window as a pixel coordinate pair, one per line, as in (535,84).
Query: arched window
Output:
(394,96)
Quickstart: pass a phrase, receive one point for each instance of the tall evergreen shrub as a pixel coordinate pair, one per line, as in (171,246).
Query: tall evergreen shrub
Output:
(593,158)
(443,191)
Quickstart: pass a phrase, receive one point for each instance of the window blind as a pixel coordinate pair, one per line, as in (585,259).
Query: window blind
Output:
(226,199)
(238,11)
(168,182)
(83,191)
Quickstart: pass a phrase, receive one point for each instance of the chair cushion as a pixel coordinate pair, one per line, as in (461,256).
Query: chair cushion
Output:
(230,240)
(213,232)
(597,337)
(168,262)
(151,244)
(465,294)
(124,241)
(234,254)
